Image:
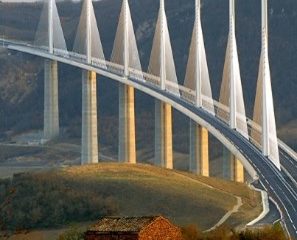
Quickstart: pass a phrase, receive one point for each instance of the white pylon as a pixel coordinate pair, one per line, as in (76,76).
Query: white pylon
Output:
(233,107)
(264,109)
(198,55)
(88,32)
(49,33)
(125,50)
(50,27)
(266,71)
(162,47)
(231,93)
(87,40)
(161,60)
(197,75)
(126,38)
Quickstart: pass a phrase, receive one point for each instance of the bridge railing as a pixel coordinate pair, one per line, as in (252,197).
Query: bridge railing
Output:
(287,149)
(61,53)
(151,79)
(187,94)
(136,74)
(98,63)
(78,57)
(172,88)
(115,68)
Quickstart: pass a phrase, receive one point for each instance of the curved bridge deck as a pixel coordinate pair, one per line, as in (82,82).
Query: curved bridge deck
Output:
(281,188)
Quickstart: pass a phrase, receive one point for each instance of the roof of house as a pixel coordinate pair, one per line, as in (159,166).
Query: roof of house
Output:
(122,224)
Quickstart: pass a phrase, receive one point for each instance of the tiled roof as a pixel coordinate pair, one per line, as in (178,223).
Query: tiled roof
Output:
(122,224)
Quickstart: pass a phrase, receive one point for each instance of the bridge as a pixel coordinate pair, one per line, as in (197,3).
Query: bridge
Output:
(252,143)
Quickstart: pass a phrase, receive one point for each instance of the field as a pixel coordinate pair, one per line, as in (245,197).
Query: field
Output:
(136,190)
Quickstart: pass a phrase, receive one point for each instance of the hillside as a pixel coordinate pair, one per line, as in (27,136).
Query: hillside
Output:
(56,198)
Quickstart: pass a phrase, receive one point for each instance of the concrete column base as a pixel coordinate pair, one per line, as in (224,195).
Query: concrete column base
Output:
(199,150)
(232,167)
(238,171)
(163,135)
(89,144)
(127,144)
(51,100)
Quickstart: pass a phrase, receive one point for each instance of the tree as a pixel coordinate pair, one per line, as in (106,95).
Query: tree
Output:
(191,232)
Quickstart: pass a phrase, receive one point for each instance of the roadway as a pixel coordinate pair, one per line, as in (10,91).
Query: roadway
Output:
(289,166)
(276,183)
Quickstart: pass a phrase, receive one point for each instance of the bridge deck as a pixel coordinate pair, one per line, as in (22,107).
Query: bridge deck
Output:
(276,183)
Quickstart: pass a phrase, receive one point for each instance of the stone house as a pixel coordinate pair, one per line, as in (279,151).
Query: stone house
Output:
(133,228)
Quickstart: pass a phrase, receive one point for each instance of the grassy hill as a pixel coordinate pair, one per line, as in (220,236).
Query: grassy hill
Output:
(57,198)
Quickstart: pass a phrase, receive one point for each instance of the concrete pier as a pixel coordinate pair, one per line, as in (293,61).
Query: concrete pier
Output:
(199,150)
(163,135)
(89,138)
(238,171)
(232,167)
(51,101)
(127,143)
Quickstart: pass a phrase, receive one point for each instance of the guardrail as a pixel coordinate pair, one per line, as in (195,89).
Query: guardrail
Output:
(287,149)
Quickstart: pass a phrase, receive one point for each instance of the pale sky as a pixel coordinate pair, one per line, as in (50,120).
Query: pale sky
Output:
(32,0)
(20,0)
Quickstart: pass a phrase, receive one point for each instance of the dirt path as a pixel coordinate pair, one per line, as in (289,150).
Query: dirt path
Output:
(227,215)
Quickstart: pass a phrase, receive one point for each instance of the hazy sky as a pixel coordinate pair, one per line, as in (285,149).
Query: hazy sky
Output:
(31,0)
(20,0)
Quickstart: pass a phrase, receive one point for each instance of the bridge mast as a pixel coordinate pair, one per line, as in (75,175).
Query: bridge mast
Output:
(198,54)
(50,27)
(88,32)
(161,62)
(126,38)
(197,78)
(265,120)
(233,107)
(162,46)
(264,109)
(162,65)
(232,95)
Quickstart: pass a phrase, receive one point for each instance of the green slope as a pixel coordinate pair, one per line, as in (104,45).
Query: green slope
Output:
(84,193)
